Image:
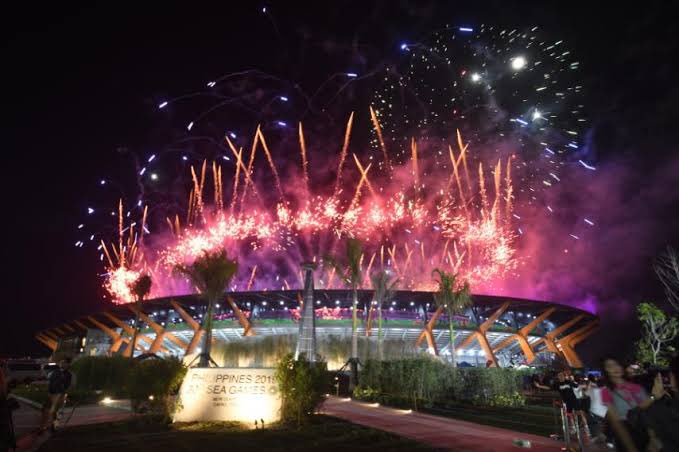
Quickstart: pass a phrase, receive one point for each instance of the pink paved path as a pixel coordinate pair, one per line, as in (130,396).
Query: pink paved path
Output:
(440,432)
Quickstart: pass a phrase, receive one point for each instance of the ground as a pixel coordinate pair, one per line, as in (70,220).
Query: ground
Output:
(323,434)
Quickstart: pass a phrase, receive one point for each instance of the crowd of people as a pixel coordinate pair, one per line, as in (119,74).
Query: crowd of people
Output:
(630,408)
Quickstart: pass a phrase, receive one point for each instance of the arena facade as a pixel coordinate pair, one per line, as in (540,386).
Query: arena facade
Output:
(496,331)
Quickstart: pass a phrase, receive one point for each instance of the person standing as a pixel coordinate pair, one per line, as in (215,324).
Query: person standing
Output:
(625,402)
(58,383)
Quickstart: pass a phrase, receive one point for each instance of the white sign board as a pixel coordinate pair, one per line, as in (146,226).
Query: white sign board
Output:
(229,394)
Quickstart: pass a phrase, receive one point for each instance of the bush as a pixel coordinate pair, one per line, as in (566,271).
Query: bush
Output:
(302,386)
(122,377)
(103,373)
(428,381)
(151,381)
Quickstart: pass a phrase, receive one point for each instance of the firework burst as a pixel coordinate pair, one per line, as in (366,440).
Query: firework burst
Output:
(410,221)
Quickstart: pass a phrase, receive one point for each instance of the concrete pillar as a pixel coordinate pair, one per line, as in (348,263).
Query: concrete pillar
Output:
(306,341)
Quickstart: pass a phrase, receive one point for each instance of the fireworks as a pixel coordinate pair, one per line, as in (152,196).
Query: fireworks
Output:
(413,225)
(470,133)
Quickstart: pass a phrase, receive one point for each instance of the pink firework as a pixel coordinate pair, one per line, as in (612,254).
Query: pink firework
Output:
(410,218)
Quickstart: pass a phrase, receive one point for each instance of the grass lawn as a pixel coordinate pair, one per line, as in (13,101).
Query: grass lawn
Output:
(323,434)
(535,419)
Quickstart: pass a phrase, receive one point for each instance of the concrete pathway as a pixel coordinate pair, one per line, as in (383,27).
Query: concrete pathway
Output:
(440,432)
(28,417)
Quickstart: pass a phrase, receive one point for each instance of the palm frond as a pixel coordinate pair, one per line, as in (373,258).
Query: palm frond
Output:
(210,273)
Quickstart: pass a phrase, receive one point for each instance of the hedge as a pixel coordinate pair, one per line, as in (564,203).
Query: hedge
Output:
(431,381)
(147,382)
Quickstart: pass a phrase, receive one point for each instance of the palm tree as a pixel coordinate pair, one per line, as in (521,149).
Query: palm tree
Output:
(352,276)
(385,288)
(453,300)
(211,274)
(140,288)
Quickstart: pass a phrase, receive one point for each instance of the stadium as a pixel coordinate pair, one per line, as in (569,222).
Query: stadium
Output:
(495,331)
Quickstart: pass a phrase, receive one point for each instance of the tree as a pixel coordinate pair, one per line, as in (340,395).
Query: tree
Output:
(452,299)
(350,273)
(141,287)
(211,274)
(667,269)
(659,330)
(385,288)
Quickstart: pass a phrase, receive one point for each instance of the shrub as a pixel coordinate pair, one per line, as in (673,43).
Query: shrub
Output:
(107,374)
(129,378)
(430,381)
(302,386)
(151,381)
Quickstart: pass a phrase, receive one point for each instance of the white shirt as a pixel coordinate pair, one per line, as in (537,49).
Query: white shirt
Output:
(596,407)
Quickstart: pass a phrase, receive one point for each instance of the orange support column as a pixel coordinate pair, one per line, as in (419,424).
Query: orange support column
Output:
(129,330)
(195,326)
(550,338)
(81,325)
(161,333)
(117,338)
(480,334)
(244,322)
(47,341)
(428,332)
(522,336)
(567,343)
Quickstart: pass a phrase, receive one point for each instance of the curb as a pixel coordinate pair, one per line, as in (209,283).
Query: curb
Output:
(29,402)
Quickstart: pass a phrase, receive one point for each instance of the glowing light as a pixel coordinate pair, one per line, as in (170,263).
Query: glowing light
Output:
(211,84)
(475,77)
(589,222)
(90,211)
(352,74)
(282,123)
(154,176)
(190,126)
(107,401)
(232,135)
(102,182)
(283,98)
(466,29)
(143,170)
(153,156)
(521,121)
(518,63)
(404,46)
(537,115)
(162,105)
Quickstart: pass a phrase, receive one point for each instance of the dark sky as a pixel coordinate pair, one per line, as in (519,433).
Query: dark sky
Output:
(80,82)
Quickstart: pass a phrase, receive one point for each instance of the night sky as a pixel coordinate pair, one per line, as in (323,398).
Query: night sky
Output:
(82,84)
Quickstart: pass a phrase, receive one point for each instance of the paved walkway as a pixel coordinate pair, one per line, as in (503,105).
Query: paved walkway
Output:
(28,417)
(440,432)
